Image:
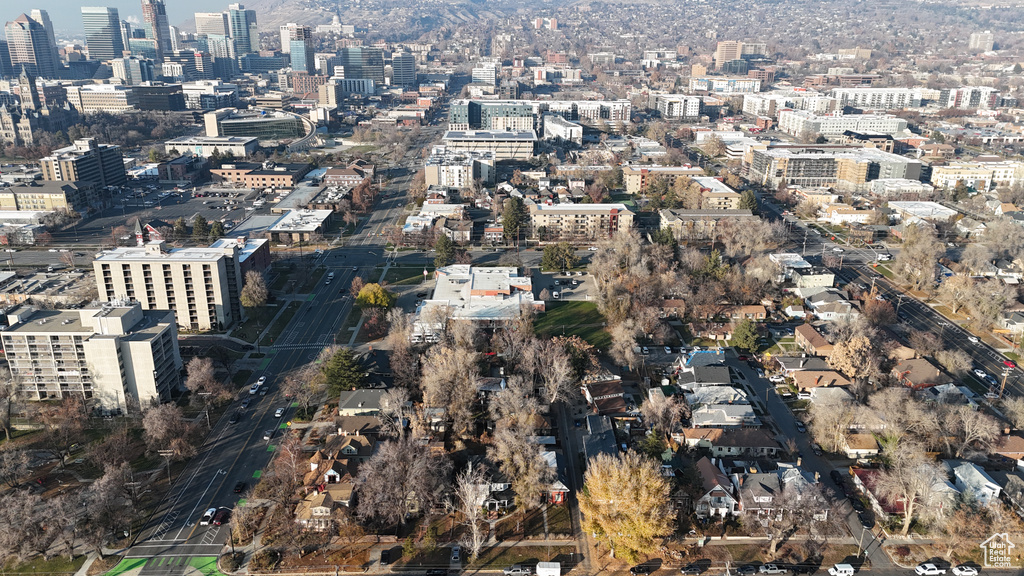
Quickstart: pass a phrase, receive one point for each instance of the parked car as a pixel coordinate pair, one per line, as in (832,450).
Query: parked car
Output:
(747,570)
(928,569)
(800,427)
(691,570)
(772,569)
(640,569)
(456,553)
(385,557)
(965,570)
(518,570)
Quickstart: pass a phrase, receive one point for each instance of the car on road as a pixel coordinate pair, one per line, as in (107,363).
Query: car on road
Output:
(239,487)
(207,517)
(973,339)
(517,570)
(263,391)
(456,553)
(777,379)
(691,570)
(747,570)
(668,349)
(800,427)
(267,435)
(245,404)
(640,569)
(816,449)
(437,572)
(1008,364)
(928,569)
(221,516)
(279,412)
(772,569)
(262,380)
(645,350)
(980,373)
(866,519)
(234,418)
(254,388)
(965,570)
(837,249)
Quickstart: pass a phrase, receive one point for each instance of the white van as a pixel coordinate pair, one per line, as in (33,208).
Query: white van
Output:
(842,570)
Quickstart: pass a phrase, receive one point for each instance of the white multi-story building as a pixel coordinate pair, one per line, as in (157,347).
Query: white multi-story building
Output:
(458,168)
(200,285)
(209,95)
(981,176)
(969,97)
(118,354)
(558,128)
(877,98)
(803,123)
(725,84)
(771,103)
(900,188)
(205,146)
(678,105)
(486,73)
(111,98)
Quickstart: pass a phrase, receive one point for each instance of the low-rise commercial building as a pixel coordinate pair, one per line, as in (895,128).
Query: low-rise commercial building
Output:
(265,175)
(487,296)
(119,355)
(558,128)
(205,146)
(300,225)
(505,145)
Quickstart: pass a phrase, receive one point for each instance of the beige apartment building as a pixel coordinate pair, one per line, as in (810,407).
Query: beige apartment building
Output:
(118,355)
(638,177)
(578,221)
(200,285)
(49,196)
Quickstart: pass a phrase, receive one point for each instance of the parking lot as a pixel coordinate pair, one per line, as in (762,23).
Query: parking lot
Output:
(576,285)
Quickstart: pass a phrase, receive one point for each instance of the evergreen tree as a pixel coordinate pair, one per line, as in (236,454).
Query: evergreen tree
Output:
(445,251)
(200,229)
(343,372)
(744,336)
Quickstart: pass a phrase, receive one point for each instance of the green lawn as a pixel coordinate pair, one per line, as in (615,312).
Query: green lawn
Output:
(574,318)
(407,275)
(37,565)
(499,557)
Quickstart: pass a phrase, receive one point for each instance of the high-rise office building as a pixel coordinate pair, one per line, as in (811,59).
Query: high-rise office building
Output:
(102,32)
(29,46)
(126,34)
(132,70)
(212,23)
(292,31)
(403,70)
(6,69)
(175,36)
(242,27)
(51,42)
(363,63)
(302,56)
(87,161)
(154,14)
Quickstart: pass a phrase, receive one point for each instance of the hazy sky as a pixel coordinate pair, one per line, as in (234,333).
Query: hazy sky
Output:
(66,15)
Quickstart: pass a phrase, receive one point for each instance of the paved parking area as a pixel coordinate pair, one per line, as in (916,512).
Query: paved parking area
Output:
(582,290)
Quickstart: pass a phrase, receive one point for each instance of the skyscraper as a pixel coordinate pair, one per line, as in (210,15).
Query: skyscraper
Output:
(175,36)
(154,14)
(242,27)
(292,31)
(44,20)
(302,56)
(5,60)
(126,34)
(29,45)
(403,70)
(212,23)
(364,63)
(102,32)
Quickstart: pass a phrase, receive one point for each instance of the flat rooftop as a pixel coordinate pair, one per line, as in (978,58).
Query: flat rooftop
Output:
(491,135)
(301,221)
(139,254)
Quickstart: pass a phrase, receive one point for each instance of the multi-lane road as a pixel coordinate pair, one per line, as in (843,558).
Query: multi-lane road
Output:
(173,540)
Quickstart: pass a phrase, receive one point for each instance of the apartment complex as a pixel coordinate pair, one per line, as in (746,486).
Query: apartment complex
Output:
(805,123)
(87,161)
(981,176)
(458,168)
(772,103)
(49,196)
(699,224)
(523,114)
(638,177)
(578,221)
(118,355)
(675,106)
(843,167)
(200,285)
(969,97)
(715,195)
(725,84)
(877,98)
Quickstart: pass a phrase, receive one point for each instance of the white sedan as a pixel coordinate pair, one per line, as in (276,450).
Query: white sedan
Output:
(973,339)
(592,248)
(965,570)
(980,373)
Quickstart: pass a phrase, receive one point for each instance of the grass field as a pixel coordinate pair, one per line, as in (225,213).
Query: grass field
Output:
(574,318)
(56,565)
(499,557)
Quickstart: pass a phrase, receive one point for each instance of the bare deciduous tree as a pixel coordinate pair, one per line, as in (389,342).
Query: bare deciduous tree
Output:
(165,428)
(911,480)
(400,477)
(471,488)
(449,382)
(395,410)
(14,465)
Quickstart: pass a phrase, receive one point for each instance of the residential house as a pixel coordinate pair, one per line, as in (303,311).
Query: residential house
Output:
(316,510)
(733,443)
(354,448)
(790,365)
(807,379)
(831,305)
(714,331)
(362,402)
(918,373)
(756,312)
(558,490)
(700,376)
(858,446)
(973,480)
(671,308)
(708,395)
(724,416)
(1010,446)
(815,277)
(718,498)
(497,493)
(606,397)
(795,311)
(811,341)
(599,437)
(758,492)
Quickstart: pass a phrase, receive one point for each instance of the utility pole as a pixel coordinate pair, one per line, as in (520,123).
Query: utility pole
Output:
(1006,375)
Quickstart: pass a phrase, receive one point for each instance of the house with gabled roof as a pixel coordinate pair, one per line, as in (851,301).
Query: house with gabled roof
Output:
(724,416)
(733,442)
(718,498)
(811,341)
(973,480)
